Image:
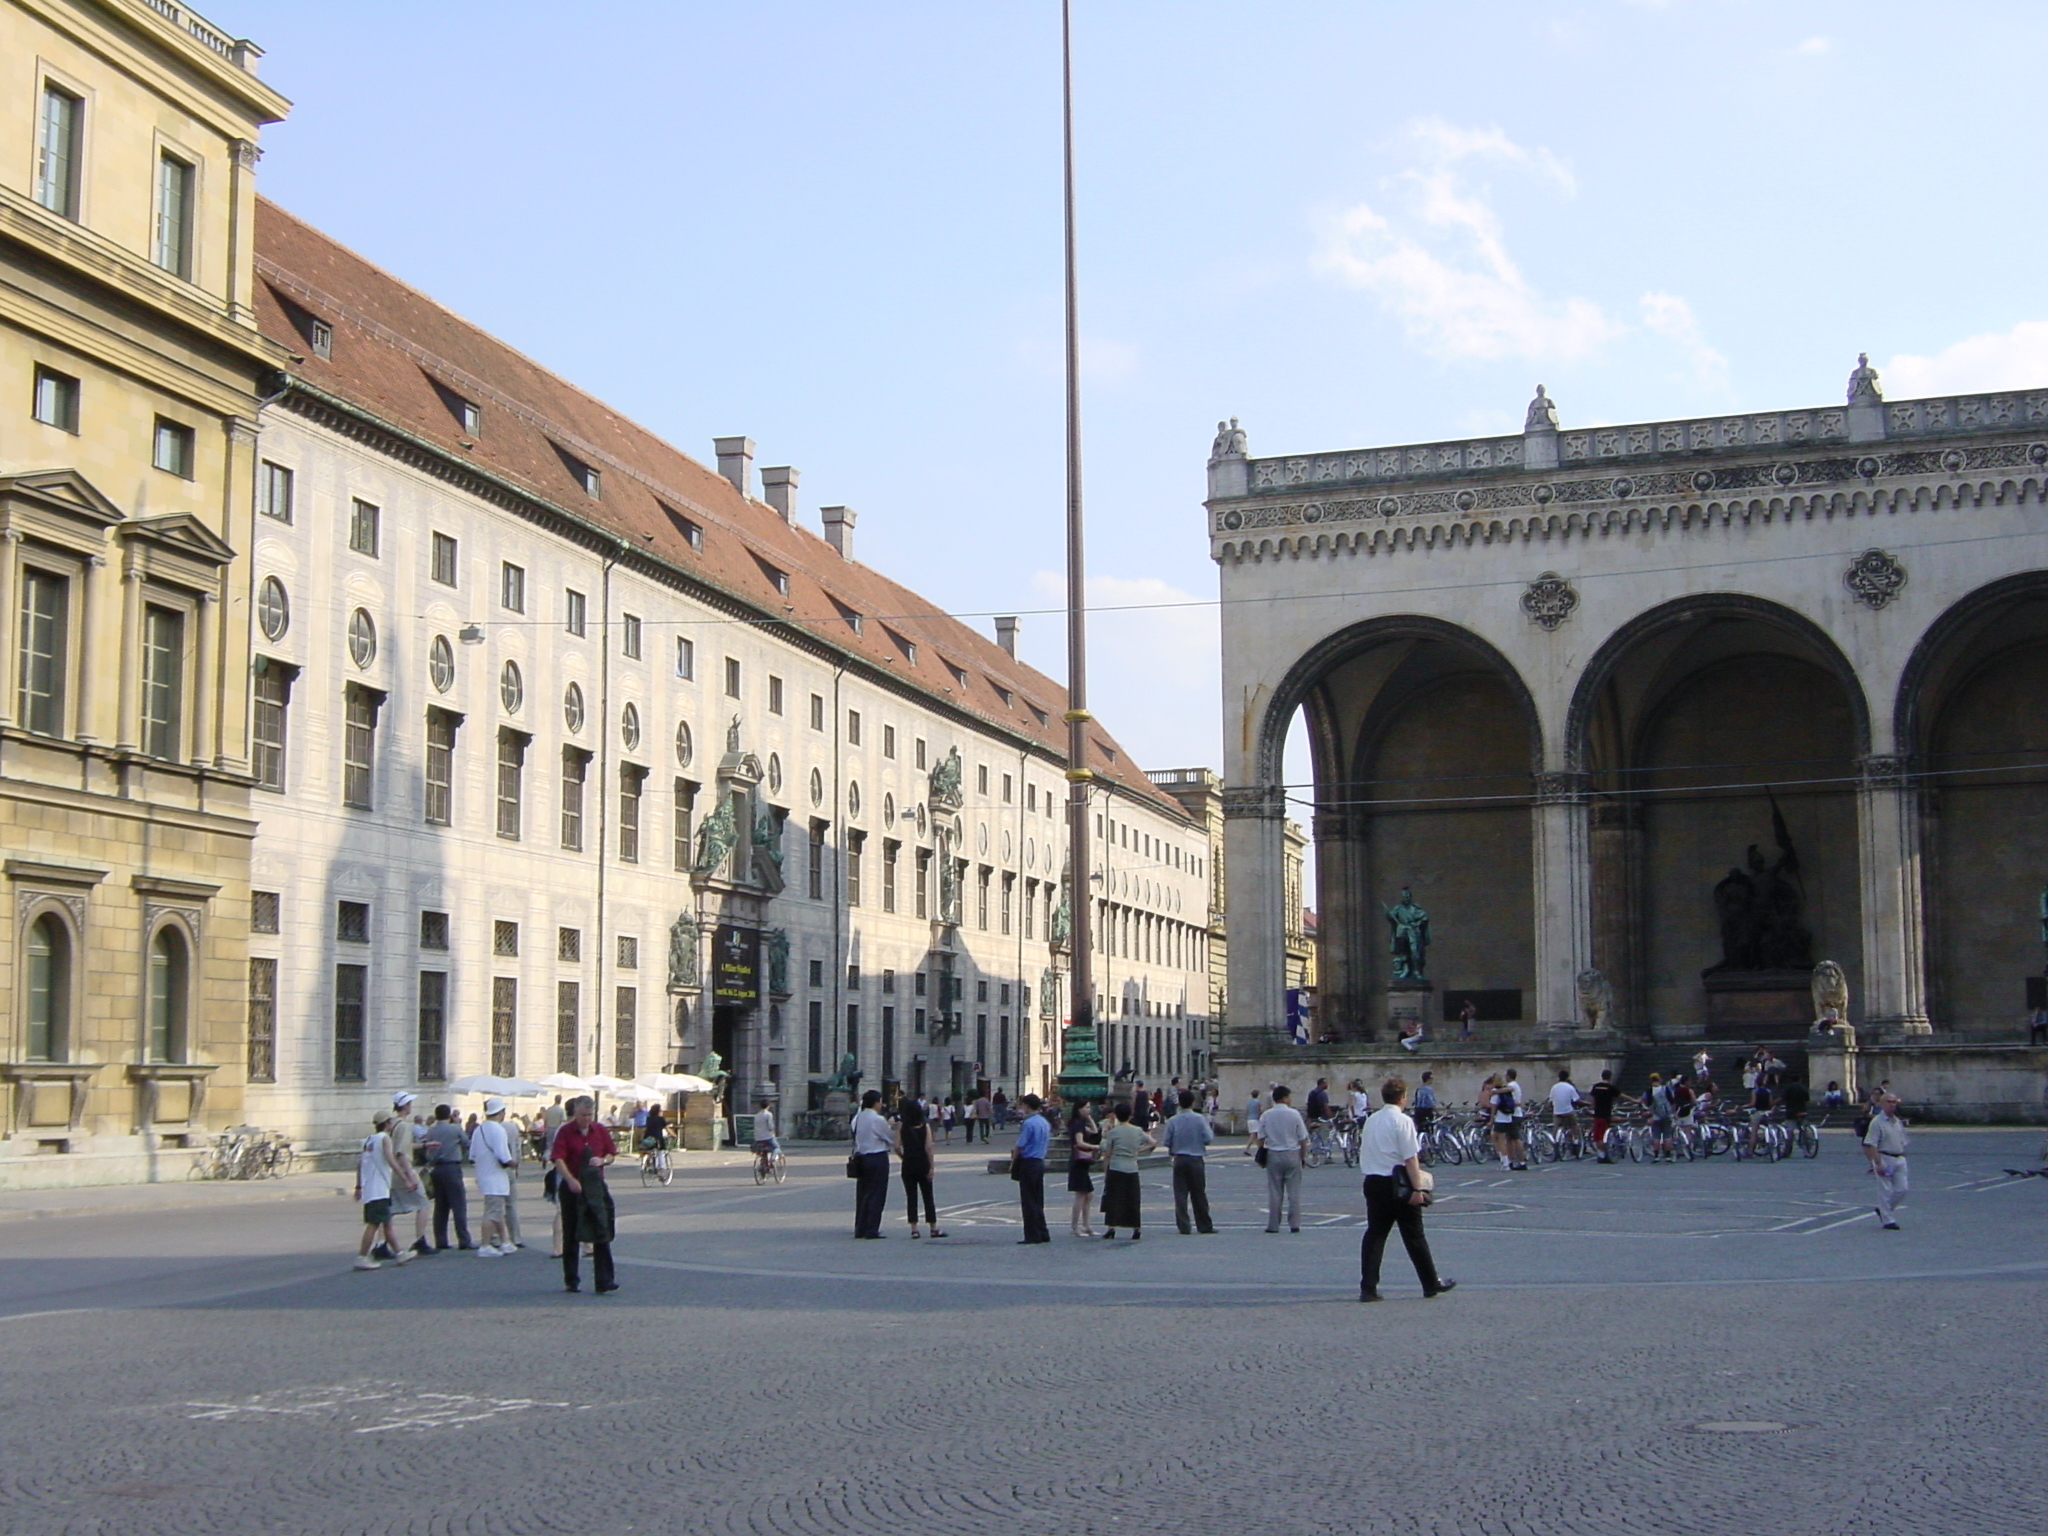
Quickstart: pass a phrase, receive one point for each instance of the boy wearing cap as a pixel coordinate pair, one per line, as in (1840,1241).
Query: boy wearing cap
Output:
(409,1195)
(377,1169)
(492,1151)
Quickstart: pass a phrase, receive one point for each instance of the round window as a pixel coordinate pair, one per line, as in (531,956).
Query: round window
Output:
(685,747)
(629,726)
(888,810)
(1008,848)
(511,687)
(817,787)
(1031,853)
(774,773)
(923,822)
(852,801)
(441,664)
(981,838)
(572,707)
(362,637)
(273,608)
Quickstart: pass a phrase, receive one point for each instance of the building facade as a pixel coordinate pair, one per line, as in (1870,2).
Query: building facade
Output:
(574,754)
(1649,720)
(133,371)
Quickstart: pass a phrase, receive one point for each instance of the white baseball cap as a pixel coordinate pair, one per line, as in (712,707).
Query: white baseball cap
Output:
(400,1100)
(493,1106)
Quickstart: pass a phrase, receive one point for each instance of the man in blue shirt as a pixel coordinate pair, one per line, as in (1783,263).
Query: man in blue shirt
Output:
(1187,1137)
(1027,1167)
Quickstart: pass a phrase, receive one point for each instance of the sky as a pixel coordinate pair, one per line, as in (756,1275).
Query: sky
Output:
(834,226)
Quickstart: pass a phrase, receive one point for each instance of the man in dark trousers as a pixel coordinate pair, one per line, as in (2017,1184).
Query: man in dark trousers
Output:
(581,1152)
(1028,1166)
(443,1142)
(873,1136)
(1187,1137)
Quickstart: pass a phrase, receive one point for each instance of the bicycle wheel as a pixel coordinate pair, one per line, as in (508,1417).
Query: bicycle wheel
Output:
(781,1167)
(647,1173)
(1809,1140)
(1614,1145)
(664,1169)
(1314,1155)
(1716,1140)
(1638,1145)
(1449,1149)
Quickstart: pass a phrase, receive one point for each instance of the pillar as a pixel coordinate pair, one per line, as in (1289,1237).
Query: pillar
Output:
(1617,857)
(1344,967)
(10,552)
(1561,825)
(1252,821)
(1894,930)
(91,658)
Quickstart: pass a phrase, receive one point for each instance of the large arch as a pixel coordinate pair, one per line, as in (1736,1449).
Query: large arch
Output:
(1718,736)
(1972,714)
(1424,742)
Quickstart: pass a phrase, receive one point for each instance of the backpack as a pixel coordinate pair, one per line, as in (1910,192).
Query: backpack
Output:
(1504,1101)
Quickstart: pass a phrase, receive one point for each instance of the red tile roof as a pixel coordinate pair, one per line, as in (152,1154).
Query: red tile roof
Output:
(397,356)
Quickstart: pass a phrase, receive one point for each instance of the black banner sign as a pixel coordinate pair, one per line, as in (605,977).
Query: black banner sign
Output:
(736,966)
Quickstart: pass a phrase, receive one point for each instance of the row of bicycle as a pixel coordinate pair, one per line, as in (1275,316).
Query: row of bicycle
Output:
(245,1152)
(1460,1138)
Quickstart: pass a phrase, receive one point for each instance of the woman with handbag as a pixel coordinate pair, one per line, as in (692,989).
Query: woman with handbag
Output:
(1122,1144)
(1396,1189)
(914,1161)
(1084,1139)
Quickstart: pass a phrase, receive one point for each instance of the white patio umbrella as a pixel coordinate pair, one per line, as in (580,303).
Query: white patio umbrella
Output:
(639,1092)
(566,1082)
(503,1087)
(676,1082)
(605,1083)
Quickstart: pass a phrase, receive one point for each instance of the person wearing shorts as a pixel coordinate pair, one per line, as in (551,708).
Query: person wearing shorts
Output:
(765,1140)
(1660,1119)
(493,1152)
(377,1169)
(411,1196)
(1603,1096)
(1564,1103)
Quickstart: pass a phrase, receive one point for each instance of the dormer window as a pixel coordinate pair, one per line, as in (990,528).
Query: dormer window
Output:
(777,577)
(586,476)
(1003,694)
(853,620)
(320,337)
(469,416)
(959,675)
(907,647)
(692,534)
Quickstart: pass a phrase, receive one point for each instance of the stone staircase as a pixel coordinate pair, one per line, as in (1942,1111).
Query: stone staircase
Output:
(1666,1057)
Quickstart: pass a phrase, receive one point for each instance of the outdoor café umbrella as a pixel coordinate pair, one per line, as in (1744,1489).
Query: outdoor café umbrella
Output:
(566,1082)
(676,1082)
(639,1092)
(503,1087)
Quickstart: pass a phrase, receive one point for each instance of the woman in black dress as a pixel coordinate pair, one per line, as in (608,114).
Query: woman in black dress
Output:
(914,1157)
(1084,1140)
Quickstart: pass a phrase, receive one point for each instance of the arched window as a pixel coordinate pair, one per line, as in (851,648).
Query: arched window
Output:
(169,969)
(49,989)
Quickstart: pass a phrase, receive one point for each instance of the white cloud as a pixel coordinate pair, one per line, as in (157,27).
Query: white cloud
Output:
(2014,359)
(1813,46)
(1445,143)
(1156,679)
(1671,317)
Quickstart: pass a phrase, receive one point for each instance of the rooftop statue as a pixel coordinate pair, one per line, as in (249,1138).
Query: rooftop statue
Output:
(1542,413)
(1863,388)
(1230,441)
(732,735)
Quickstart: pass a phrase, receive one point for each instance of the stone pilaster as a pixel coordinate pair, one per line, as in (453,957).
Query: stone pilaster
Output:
(1561,825)
(1894,936)
(1252,823)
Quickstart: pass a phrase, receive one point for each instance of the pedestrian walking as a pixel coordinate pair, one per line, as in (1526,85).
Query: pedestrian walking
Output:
(1251,1124)
(582,1151)
(1187,1137)
(378,1172)
(1389,1155)
(1283,1135)
(410,1197)
(1084,1142)
(914,1162)
(872,1139)
(1027,1167)
(1122,1145)
(442,1144)
(494,1149)
(1425,1105)
(1884,1148)
(985,1116)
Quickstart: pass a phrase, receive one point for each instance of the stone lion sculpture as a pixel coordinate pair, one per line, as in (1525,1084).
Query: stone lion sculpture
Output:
(1596,999)
(1830,994)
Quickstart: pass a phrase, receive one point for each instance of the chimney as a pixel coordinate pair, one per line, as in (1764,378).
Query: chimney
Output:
(1006,633)
(839,529)
(736,461)
(778,489)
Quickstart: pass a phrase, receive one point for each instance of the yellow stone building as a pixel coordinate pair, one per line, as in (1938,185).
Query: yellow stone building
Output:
(131,371)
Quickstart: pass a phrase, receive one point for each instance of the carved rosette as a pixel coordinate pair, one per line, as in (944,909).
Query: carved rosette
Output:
(1549,600)
(1875,576)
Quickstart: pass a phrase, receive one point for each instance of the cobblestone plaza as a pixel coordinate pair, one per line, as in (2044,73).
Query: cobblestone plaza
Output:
(1693,1348)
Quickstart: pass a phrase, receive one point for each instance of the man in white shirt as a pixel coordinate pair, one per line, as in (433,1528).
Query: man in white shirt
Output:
(872,1139)
(1390,1142)
(492,1151)
(1282,1134)
(1884,1148)
(1564,1103)
(378,1172)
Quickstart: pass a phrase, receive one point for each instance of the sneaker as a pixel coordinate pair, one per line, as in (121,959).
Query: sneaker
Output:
(366,1262)
(406,1257)
(421,1245)
(383,1251)
(488,1252)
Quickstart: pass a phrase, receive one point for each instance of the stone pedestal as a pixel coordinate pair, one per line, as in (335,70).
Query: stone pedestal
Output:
(699,1128)
(1759,1005)
(1408,1003)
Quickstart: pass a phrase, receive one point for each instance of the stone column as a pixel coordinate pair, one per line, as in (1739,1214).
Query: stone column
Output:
(1252,822)
(1894,933)
(1617,848)
(205,685)
(1560,825)
(128,724)
(90,663)
(10,558)
(1343,968)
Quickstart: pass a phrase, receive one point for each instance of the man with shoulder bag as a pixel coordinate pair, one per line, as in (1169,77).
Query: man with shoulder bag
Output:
(1397,1187)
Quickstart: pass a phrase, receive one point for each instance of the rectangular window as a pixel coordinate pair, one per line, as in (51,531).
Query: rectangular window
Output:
(504,938)
(351,994)
(920,754)
(56,399)
(629,952)
(631,779)
(431,1038)
(512,586)
(686,657)
(359,746)
(163,681)
(504,1024)
(569,944)
(981,884)
(264,911)
(173,448)
(853,1030)
(890,850)
(1003,1046)
(1030,797)
(352,921)
(625,1031)
(981,778)
(1030,909)
(815,1043)
(685,814)
(774,695)
(888,1045)
(320,336)
(433,930)
(629,636)
(889,741)
(364,526)
(1009,789)
(817,711)
(574,610)
(58,155)
(269,722)
(817,973)
(440,800)
(817,865)
(262,1021)
(45,603)
(888,983)
(568,1024)
(1009,896)
(176,182)
(575,774)
(853,727)
(511,782)
(274,491)
(856,843)
(732,677)
(444,559)
(917,1019)
(922,883)
(853,977)
(917,983)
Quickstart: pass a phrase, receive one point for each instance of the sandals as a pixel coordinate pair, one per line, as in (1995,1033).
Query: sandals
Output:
(937,1233)
(915,1233)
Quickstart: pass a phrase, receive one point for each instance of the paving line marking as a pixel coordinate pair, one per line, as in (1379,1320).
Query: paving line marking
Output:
(1845,1221)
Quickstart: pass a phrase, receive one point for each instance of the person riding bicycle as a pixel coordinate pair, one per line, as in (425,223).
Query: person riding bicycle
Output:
(1564,1104)
(766,1145)
(654,1130)
(1795,1097)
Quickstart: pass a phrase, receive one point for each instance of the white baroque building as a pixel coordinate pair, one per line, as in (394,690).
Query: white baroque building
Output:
(573,754)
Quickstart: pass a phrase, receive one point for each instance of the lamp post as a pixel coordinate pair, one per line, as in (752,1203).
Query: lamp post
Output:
(1081,1075)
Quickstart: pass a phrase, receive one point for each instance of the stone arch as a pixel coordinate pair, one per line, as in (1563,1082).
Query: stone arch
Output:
(1952,630)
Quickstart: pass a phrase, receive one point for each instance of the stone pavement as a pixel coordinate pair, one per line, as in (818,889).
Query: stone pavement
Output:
(221,1371)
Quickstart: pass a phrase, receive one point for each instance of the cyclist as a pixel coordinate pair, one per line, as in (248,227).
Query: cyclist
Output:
(1319,1101)
(1564,1106)
(766,1145)
(1423,1105)
(654,1129)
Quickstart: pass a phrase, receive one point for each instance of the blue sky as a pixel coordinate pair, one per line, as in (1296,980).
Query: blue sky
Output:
(834,225)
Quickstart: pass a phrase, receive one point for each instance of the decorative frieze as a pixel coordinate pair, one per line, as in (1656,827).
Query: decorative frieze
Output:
(1875,576)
